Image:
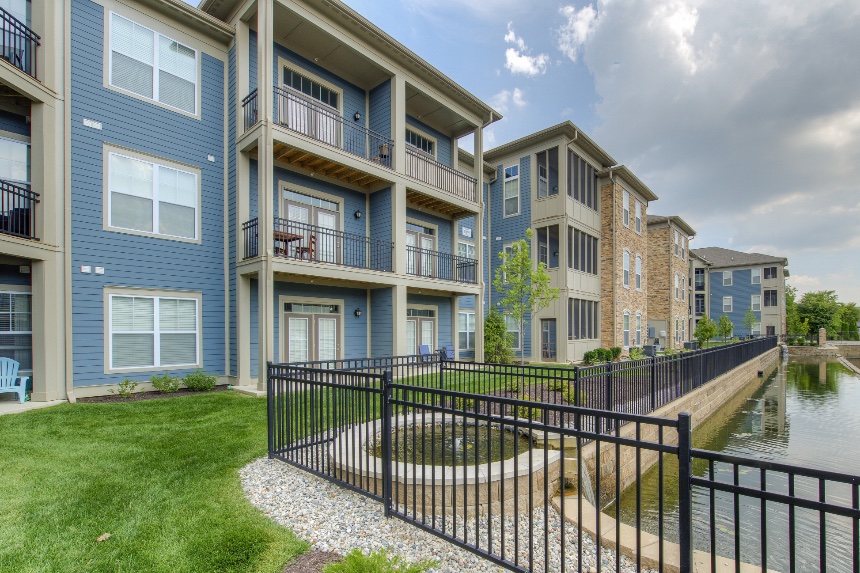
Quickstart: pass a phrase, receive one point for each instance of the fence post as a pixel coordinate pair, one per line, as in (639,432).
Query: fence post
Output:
(386,443)
(685,492)
(577,400)
(441,368)
(653,360)
(270,409)
(609,387)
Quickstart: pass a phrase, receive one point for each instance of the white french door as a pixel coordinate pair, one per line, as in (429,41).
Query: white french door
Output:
(299,217)
(312,337)
(419,253)
(427,329)
(326,242)
(298,339)
(326,338)
(412,336)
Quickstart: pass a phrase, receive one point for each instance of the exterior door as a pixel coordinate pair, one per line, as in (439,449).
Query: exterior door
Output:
(419,253)
(412,336)
(426,255)
(299,217)
(326,338)
(427,329)
(298,339)
(326,240)
(548,339)
(311,337)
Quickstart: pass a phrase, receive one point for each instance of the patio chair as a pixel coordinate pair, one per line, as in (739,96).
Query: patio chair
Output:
(424,352)
(448,352)
(8,376)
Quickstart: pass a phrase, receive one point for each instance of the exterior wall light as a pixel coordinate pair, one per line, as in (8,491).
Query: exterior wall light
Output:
(356,116)
(357,313)
(357,214)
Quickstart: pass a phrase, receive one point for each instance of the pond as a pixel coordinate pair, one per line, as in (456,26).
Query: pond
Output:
(807,413)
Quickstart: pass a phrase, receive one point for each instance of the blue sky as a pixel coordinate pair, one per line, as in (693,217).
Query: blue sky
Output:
(742,115)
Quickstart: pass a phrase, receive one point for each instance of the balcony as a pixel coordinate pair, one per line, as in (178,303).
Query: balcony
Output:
(444,266)
(18,43)
(305,242)
(426,169)
(18,210)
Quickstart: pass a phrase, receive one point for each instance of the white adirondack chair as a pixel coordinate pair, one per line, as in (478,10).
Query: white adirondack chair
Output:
(8,377)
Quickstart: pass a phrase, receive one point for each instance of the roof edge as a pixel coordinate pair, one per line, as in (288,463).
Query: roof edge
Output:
(202,21)
(566,128)
(624,172)
(681,223)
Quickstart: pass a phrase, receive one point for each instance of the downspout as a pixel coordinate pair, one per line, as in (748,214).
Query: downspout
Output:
(489,225)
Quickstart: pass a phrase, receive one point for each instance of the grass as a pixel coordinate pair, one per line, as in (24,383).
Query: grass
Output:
(160,476)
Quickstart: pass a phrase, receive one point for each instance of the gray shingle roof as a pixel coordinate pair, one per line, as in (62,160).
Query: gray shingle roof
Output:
(719,257)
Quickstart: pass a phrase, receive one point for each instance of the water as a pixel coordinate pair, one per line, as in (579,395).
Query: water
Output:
(808,414)
(455,444)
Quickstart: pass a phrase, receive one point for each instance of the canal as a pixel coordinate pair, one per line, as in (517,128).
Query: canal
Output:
(807,413)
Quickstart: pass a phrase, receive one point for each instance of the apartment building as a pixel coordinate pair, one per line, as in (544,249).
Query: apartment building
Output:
(731,282)
(668,280)
(221,187)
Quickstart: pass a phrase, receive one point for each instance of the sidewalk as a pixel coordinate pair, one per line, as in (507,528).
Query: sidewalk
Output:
(11,406)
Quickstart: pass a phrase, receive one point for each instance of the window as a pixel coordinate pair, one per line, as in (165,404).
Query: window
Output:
(152,198)
(418,141)
(626,269)
(466,250)
(513,331)
(683,287)
(700,304)
(677,330)
(683,330)
(15,161)
(314,89)
(677,246)
(626,328)
(677,293)
(20,9)
(16,330)
(467,330)
(755,276)
(756,329)
(512,190)
(582,317)
(683,248)
(638,329)
(755,302)
(727,304)
(770,298)
(547,240)
(153,332)
(769,273)
(581,251)
(509,252)
(699,279)
(581,181)
(625,209)
(547,164)
(727,278)
(152,66)
(638,272)
(420,245)
(638,217)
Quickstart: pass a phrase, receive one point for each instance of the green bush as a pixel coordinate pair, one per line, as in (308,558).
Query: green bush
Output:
(376,562)
(526,411)
(589,358)
(166,384)
(569,395)
(615,353)
(637,354)
(557,385)
(125,388)
(497,341)
(603,355)
(512,386)
(464,404)
(199,381)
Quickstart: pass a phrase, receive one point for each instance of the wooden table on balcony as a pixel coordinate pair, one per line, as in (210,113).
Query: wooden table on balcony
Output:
(286,238)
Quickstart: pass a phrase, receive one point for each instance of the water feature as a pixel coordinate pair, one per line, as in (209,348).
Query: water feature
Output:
(455,444)
(807,413)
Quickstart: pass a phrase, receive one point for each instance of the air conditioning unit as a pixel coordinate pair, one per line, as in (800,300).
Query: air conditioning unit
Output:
(651,332)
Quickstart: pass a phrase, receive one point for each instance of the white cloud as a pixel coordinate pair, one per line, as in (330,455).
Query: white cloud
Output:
(501,101)
(574,33)
(517,59)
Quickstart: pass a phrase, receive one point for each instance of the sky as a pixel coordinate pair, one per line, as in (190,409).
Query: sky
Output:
(743,116)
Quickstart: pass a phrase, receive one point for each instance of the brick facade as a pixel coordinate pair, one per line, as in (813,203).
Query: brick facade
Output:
(664,263)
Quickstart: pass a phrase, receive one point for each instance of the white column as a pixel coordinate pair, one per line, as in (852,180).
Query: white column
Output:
(243,330)
(398,226)
(398,122)
(49,329)
(398,300)
(478,233)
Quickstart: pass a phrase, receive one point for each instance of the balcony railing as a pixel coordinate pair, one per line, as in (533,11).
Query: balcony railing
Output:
(445,266)
(297,112)
(18,43)
(249,109)
(18,210)
(424,168)
(305,242)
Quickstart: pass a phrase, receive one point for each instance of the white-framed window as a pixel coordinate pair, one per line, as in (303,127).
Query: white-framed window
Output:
(677,330)
(638,217)
(20,9)
(466,322)
(152,198)
(513,330)
(147,332)
(756,329)
(152,66)
(638,272)
(15,161)
(16,327)
(466,249)
(683,330)
(677,247)
(677,280)
(638,329)
(511,190)
(421,142)
(625,209)
(509,252)
(727,304)
(683,248)
(626,328)
(755,276)
(755,302)
(625,262)
(683,287)
(727,278)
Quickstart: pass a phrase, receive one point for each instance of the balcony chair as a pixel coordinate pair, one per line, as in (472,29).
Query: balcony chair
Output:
(310,250)
(8,376)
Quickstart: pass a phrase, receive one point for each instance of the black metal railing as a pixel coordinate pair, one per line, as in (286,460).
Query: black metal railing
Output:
(18,210)
(546,503)
(436,265)
(426,169)
(302,241)
(809,339)
(249,232)
(850,335)
(297,112)
(249,110)
(18,43)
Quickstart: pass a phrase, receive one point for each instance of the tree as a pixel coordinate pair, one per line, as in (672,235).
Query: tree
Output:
(793,322)
(525,290)
(706,329)
(849,314)
(750,319)
(821,309)
(497,340)
(725,327)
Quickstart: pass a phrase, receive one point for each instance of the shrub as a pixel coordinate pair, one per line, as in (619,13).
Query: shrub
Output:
(464,404)
(637,354)
(497,341)
(125,388)
(526,411)
(165,383)
(557,385)
(603,355)
(512,386)
(199,381)
(569,395)
(589,358)
(615,353)
(376,562)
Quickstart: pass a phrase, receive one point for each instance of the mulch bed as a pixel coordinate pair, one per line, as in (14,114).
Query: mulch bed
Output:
(154,395)
(312,562)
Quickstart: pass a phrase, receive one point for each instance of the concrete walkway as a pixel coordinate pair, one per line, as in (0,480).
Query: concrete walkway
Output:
(13,407)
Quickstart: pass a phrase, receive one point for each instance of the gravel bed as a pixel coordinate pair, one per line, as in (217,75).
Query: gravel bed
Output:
(335,519)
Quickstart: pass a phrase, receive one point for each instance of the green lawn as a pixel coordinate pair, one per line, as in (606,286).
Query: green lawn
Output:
(160,476)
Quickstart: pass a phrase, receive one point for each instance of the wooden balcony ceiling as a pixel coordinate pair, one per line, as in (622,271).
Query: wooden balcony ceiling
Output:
(317,165)
(428,203)
(12,101)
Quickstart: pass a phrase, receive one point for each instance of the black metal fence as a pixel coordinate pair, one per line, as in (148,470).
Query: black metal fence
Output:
(18,43)
(808,339)
(18,210)
(438,265)
(538,486)
(249,110)
(303,241)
